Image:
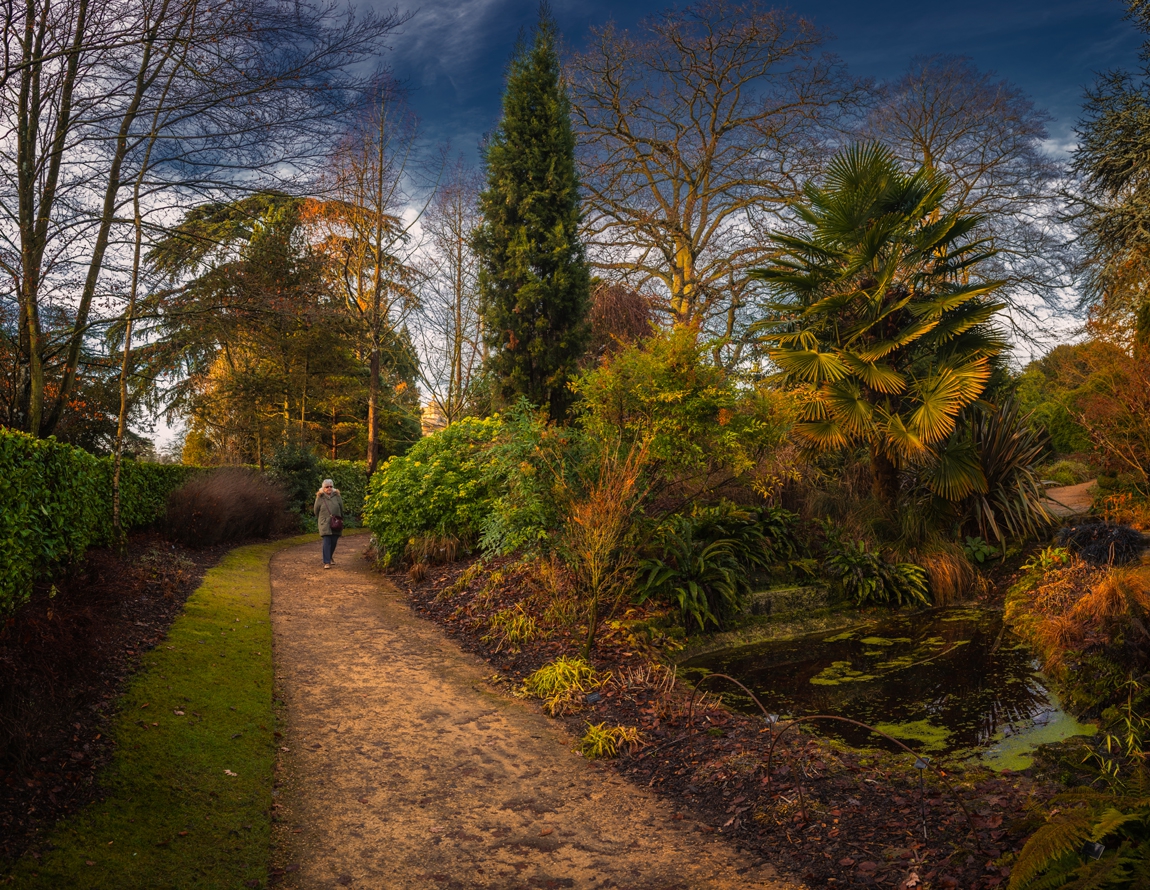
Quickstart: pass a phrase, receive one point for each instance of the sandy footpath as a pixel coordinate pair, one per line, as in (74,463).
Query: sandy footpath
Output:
(404,769)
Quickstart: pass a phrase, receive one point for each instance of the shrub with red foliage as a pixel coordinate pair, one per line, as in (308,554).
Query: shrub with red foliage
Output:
(228,505)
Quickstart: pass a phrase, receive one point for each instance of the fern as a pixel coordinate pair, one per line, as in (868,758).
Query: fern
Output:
(1052,859)
(1047,848)
(1096,874)
(1110,820)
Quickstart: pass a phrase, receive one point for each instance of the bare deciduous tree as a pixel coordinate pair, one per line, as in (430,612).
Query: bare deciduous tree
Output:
(367,239)
(451,346)
(695,134)
(987,137)
(260,91)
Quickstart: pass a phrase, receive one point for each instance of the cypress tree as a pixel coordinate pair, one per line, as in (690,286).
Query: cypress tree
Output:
(533,280)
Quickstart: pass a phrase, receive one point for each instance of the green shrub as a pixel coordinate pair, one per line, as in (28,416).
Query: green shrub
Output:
(869,579)
(702,577)
(60,504)
(530,466)
(702,563)
(297,472)
(442,486)
(1064,472)
(666,392)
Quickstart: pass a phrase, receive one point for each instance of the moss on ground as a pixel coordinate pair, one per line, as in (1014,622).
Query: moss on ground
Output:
(186,801)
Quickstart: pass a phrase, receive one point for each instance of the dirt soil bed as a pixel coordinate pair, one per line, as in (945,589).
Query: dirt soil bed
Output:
(864,813)
(64,659)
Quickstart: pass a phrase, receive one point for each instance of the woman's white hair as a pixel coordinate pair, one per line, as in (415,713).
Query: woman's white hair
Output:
(327,482)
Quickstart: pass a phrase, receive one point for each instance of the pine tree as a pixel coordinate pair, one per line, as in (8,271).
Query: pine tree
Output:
(533,281)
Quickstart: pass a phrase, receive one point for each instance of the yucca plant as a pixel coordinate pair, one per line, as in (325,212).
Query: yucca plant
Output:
(878,312)
(1010,504)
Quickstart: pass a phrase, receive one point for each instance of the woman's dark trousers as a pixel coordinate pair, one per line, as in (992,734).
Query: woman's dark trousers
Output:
(329,542)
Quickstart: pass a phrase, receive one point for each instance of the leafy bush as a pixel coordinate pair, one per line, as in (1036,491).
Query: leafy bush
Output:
(703,578)
(441,487)
(762,536)
(702,563)
(528,468)
(297,472)
(61,504)
(691,414)
(978,550)
(867,578)
(226,505)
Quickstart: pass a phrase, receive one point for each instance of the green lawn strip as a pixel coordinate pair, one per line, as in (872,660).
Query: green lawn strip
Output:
(172,814)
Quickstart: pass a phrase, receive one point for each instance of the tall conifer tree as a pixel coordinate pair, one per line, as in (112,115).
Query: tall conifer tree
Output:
(533,279)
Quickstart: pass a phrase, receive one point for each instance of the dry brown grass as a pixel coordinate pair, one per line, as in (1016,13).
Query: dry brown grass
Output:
(434,549)
(1081,607)
(952,577)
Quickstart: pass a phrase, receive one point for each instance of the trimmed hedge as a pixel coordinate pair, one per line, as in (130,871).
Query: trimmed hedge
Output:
(60,503)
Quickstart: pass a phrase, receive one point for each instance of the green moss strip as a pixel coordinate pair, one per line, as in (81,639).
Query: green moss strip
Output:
(186,801)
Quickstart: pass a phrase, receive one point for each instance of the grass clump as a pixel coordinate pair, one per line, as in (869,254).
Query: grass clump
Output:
(187,797)
(562,682)
(603,741)
(511,628)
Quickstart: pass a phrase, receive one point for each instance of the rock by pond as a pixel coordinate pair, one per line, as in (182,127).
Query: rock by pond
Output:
(943,681)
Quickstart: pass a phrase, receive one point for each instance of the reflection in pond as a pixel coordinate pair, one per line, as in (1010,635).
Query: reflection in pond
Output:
(942,681)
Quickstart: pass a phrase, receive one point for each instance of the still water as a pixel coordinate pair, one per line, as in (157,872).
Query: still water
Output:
(946,681)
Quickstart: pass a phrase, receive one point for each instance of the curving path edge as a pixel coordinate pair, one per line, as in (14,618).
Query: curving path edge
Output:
(401,768)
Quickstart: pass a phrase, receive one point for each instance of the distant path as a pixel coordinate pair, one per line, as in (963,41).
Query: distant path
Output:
(1070,500)
(404,769)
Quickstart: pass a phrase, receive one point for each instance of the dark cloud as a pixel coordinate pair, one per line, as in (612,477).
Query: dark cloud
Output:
(453,54)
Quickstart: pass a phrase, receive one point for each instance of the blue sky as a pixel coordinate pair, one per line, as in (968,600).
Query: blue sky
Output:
(452,54)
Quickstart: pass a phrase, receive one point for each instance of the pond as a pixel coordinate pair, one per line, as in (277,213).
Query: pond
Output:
(945,681)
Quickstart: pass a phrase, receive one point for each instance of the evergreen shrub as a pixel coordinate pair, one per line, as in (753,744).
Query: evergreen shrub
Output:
(443,486)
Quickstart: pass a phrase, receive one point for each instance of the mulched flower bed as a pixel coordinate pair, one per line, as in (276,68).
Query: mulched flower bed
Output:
(64,658)
(860,819)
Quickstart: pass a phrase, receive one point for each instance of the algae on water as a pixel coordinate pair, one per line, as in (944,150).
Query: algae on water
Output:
(929,736)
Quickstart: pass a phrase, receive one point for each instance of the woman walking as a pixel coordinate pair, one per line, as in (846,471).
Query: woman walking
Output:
(328,511)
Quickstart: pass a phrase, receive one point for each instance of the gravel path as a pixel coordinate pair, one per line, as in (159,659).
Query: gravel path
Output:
(1071,500)
(402,768)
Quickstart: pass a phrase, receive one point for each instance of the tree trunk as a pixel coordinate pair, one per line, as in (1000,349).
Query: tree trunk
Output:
(592,625)
(885,477)
(373,410)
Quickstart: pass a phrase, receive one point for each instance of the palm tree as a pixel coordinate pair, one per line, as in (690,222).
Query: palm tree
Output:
(878,313)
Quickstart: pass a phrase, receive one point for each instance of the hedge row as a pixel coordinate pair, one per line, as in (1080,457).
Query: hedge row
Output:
(59,504)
